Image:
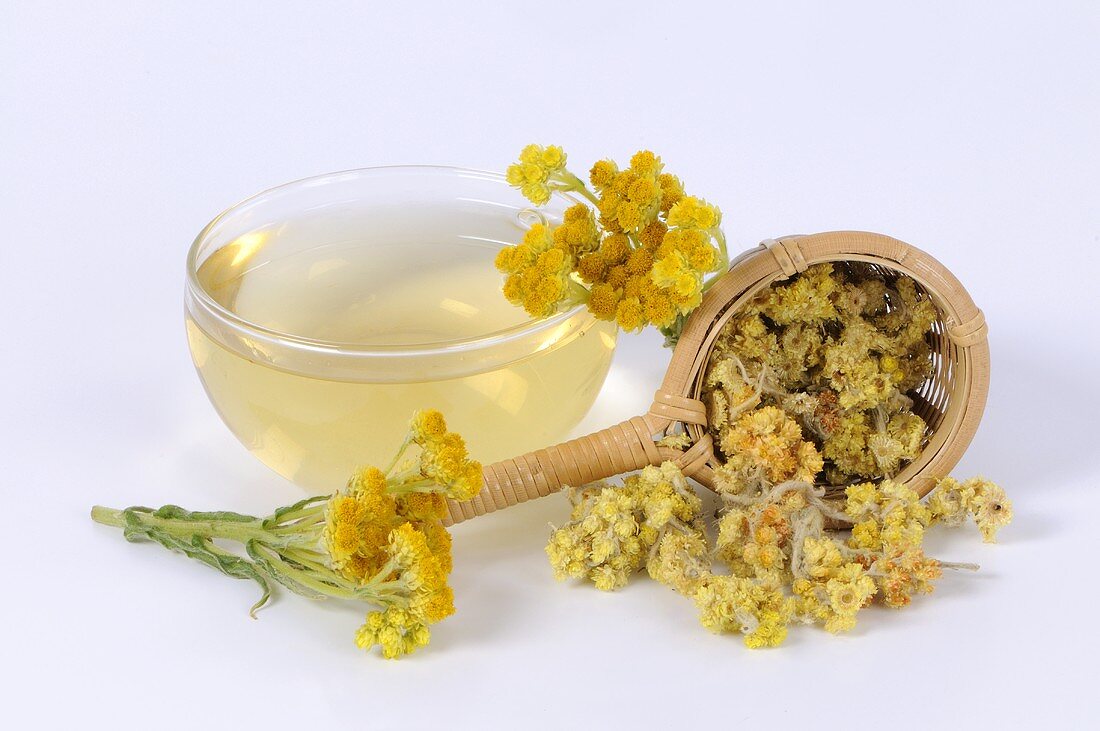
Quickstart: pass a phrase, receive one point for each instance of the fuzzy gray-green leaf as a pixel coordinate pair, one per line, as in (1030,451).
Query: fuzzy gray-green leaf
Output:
(202,549)
(279,513)
(175,512)
(273,571)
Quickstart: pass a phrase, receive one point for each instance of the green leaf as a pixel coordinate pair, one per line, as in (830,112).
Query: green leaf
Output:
(175,512)
(279,513)
(673,331)
(274,571)
(203,549)
(133,528)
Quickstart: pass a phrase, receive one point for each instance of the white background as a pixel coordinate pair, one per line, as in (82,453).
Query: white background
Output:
(967,129)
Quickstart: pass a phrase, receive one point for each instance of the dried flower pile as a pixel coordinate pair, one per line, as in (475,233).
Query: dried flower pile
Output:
(380,540)
(781,565)
(645,259)
(812,379)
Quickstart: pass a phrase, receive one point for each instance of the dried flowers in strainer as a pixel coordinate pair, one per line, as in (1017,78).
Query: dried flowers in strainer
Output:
(641,254)
(814,379)
(380,540)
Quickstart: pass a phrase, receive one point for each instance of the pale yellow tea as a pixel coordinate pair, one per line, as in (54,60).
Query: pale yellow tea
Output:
(376,331)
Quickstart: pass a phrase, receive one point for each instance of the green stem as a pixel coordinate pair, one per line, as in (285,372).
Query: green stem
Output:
(299,525)
(107,516)
(407,485)
(960,566)
(311,512)
(720,238)
(571,183)
(334,586)
(397,457)
(309,559)
(723,258)
(241,532)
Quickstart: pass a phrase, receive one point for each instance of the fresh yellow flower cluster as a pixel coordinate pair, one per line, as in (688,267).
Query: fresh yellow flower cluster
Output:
(783,565)
(645,261)
(384,531)
(379,540)
(444,461)
(376,539)
(839,349)
(415,583)
(540,268)
(539,172)
(613,529)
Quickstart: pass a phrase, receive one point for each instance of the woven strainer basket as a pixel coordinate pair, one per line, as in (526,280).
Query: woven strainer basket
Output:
(950,401)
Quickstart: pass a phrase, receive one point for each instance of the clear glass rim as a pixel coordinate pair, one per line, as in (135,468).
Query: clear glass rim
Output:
(215,309)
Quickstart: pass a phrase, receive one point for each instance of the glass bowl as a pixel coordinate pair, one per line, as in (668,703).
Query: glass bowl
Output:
(322,313)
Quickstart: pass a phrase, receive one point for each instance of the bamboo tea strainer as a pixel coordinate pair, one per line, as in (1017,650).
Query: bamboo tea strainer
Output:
(950,401)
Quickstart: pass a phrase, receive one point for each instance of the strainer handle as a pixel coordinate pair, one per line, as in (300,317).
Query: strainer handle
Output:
(625,447)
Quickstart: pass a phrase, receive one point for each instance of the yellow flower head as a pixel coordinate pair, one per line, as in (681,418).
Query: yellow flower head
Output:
(765,447)
(680,560)
(991,508)
(646,164)
(603,174)
(902,574)
(578,234)
(653,234)
(675,273)
(755,609)
(539,267)
(395,630)
(445,461)
(537,193)
(692,212)
(693,245)
(630,315)
(357,521)
(851,592)
(553,158)
(613,529)
(427,426)
(603,301)
(537,172)
(672,191)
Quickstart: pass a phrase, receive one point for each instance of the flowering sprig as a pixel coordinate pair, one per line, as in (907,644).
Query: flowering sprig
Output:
(380,540)
(782,565)
(540,171)
(642,253)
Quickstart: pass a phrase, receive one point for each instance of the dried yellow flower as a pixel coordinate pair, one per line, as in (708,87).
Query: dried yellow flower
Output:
(828,348)
(784,566)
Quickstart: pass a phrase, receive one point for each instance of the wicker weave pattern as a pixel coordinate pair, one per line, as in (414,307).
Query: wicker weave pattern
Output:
(951,401)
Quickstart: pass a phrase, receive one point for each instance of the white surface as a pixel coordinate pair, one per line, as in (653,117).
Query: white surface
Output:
(970,132)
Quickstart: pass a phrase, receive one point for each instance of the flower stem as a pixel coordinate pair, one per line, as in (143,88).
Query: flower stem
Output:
(571,183)
(959,566)
(232,530)
(107,516)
